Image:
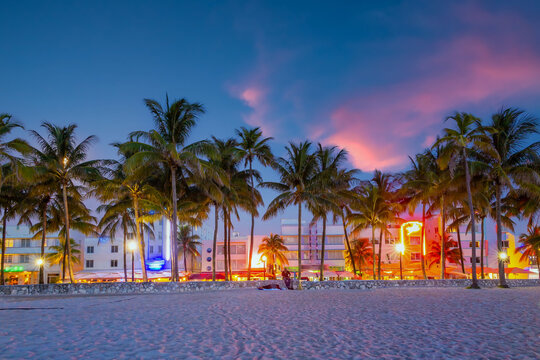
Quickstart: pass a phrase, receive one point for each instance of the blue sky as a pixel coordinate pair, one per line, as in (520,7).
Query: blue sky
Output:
(376,77)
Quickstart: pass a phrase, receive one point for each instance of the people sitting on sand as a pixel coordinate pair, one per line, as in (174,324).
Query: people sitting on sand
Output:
(286,275)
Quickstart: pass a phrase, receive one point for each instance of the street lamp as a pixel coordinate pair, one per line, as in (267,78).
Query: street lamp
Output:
(132,246)
(264,264)
(400,248)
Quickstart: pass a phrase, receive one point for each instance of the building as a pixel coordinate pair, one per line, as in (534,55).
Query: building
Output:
(22,254)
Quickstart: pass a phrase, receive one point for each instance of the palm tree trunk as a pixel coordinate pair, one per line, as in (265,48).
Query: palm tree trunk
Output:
(140,239)
(252,220)
(174,221)
(473,225)
(2,261)
(443,233)
(502,277)
(214,244)
(482,250)
(373,252)
(299,246)
(423,252)
(460,250)
(225,250)
(321,276)
(347,240)
(43,240)
(124,253)
(64,261)
(380,254)
(68,245)
(185,258)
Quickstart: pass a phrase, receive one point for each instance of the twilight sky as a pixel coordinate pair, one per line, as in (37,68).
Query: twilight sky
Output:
(375,77)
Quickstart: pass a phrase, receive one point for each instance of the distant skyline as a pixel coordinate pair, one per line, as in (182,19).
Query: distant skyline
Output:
(377,78)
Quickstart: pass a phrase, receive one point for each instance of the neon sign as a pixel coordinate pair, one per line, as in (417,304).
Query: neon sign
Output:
(13,269)
(156,264)
(412,227)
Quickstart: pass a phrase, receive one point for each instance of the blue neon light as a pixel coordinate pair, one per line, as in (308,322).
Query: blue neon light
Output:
(155,264)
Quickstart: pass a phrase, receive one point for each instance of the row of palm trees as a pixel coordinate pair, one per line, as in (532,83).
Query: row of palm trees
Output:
(472,172)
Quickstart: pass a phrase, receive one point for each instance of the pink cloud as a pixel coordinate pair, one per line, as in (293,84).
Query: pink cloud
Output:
(380,129)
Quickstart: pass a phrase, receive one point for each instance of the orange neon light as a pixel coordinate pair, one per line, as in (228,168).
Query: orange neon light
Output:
(412,227)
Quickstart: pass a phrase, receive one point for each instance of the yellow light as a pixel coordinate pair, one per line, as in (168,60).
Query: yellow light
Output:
(400,248)
(132,246)
(263,258)
(503,255)
(65,161)
(39,262)
(412,227)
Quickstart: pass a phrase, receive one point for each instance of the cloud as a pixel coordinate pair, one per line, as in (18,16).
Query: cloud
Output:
(382,128)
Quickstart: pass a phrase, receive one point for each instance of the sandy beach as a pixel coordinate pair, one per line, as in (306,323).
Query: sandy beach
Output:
(333,324)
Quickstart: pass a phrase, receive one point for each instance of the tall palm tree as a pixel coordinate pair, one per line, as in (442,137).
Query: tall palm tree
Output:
(362,253)
(418,188)
(166,144)
(329,162)
(459,141)
(252,147)
(530,248)
(296,186)
(57,254)
(65,160)
(511,161)
(188,242)
(273,248)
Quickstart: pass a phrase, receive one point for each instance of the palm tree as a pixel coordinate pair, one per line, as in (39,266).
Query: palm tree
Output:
(65,162)
(451,253)
(329,163)
(418,187)
(188,242)
(531,245)
(166,144)
(369,210)
(510,160)
(58,253)
(296,187)
(253,147)
(273,249)
(362,253)
(117,214)
(458,151)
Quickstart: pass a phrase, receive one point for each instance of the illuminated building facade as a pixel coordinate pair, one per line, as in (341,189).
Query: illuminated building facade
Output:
(22,254)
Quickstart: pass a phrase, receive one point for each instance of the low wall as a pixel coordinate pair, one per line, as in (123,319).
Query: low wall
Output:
(193,286)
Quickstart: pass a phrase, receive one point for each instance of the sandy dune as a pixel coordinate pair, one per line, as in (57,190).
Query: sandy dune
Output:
(333,324)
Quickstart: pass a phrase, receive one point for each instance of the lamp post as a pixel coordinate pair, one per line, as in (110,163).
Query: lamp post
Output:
(401,249)
(503,257)
(40,262)
(264,264)
(132,246)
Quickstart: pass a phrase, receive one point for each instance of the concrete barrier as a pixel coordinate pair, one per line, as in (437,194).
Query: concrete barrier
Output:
(119,288)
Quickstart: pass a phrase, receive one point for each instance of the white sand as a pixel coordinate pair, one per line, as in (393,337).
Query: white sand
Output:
(330,324)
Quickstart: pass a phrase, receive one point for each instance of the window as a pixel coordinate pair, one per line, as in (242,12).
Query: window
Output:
(160,249)
(334,255)
(477,244)
(114,263)
(9,243)
(9,259)
(89,249)
(415,256)
(334,240)
(477,260)
(114,248)
(505,244)
(220,250)
(415,240)
(389,241)
(130,235)
(24,259)
(240,249)
(89,263)
(151,249)
(25,243)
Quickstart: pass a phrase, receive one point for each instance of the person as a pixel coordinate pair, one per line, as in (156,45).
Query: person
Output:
(286,275)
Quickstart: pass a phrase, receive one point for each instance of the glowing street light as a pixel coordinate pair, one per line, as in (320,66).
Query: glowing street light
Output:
(503,256)
(132,246)
(39,262)
(400,248)
(65,161)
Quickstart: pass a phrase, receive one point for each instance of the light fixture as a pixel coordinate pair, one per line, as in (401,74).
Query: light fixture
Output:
(132,246)
(503,256)
(39,262)
(400,248)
